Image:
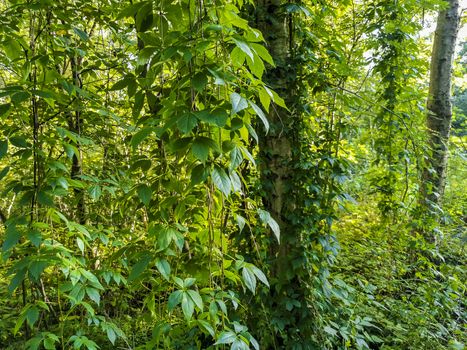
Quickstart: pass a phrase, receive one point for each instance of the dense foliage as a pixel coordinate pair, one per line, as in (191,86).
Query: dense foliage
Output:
(225,174)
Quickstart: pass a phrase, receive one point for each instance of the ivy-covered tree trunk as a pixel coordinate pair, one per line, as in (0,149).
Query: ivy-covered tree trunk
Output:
(439,103)
(279,154)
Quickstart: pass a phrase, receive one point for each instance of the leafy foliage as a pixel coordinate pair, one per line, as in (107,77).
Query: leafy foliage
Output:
(143,146)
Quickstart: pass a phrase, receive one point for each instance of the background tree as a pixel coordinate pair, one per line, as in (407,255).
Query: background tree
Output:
(439,104)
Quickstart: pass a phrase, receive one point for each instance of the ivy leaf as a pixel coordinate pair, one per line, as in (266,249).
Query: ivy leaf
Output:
(221,180)
(144,194)
(259,112)
(238,102)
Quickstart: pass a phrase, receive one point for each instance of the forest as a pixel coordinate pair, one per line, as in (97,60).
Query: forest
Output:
(233,174)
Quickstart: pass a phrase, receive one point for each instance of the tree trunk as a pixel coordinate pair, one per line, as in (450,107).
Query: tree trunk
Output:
(278,156)
(439,104)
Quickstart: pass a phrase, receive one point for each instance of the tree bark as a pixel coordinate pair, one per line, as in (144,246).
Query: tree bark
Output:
(439,106)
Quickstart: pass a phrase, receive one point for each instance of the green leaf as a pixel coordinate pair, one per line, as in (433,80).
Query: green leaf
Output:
(35,237)
(330,331)
(139,267)
(199,174)
(4,172)
(11,238)
(199,81)
(204,324)
(4,109)
(95,192)
(221,180)
(163,267)
(80,244)
(261,115)
(196,297)
(32,315)
(226,337)
(19,142)
(20,96)
(3,148)
(244,46)
(187,122)
(120,85)
(236,158)
(201,146)
(93,294)
(144,194)
(174,299)
(111,335)
(188,306)
(44,199)
(36,268)
(240,222)
(259,274)
(267,219)
(249,279)
(81,33)
(140,136)
(144,17)
(238,103)
(236,182)
(263,53)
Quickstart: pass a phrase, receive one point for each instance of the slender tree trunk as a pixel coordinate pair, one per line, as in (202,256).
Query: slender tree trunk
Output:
(439,104)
